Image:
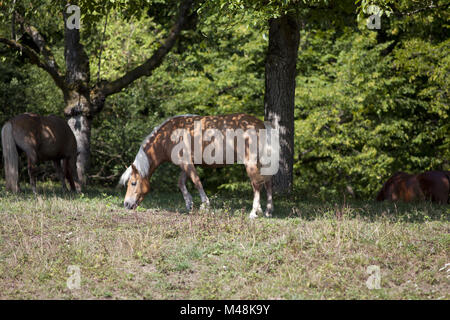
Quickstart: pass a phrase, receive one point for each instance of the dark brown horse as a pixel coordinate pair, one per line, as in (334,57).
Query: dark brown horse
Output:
(430,185)
(42,138)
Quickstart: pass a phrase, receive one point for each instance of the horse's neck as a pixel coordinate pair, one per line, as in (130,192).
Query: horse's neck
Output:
(151,170)
(156,155)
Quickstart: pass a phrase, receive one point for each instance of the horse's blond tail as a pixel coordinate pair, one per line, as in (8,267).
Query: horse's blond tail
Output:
(11,158)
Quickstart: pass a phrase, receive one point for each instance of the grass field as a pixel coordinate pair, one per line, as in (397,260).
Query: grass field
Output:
(310,249)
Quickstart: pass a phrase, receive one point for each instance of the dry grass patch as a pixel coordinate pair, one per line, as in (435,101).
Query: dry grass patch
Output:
(310,250)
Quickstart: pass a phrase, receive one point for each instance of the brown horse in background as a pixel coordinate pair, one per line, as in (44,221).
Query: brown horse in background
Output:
(42,138)
(430,185)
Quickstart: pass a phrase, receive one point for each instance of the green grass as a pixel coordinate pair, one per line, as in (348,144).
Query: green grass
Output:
(309,250)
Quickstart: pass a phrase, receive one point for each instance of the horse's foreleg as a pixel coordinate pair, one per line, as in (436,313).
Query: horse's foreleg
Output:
(192,173)
(269,208)
(60,173)
(256,197)
(186,195)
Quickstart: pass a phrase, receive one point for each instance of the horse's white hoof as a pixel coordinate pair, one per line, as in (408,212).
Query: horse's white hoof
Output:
(253,215)
(204,206)
(268,214)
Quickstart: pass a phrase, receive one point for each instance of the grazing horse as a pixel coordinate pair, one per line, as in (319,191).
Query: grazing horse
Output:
(191,140)
(42,138)
(430,185)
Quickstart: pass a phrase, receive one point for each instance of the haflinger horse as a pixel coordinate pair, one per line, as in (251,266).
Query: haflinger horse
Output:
(207,141)
(430,185)
(42,138)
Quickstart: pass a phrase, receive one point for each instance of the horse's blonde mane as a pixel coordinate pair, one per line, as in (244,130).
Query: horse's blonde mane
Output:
(142,162)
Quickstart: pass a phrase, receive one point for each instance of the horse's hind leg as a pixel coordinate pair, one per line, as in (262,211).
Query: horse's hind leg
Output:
(71,174)
(257,181)
(60,173)
(186,195)
(31,172)
(256,198)
(269,208)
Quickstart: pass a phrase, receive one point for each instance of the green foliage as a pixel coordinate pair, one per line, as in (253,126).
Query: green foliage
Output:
(368,103)
(217,69)
(221,71)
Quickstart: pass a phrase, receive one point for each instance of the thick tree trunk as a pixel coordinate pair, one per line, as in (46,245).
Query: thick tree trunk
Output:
(80,123)
(284,37)
(81,127)
(78,107)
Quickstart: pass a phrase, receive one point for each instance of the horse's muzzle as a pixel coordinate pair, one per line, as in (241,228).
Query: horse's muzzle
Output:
(130,205)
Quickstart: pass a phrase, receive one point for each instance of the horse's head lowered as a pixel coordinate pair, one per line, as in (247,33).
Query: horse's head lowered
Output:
(137,188)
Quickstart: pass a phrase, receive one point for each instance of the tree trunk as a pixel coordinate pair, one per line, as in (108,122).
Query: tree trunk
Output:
(279,98)
(78,107)
(80,123)
(81,127)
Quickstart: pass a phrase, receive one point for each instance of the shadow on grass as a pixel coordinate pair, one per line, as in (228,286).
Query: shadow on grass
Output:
(240,203)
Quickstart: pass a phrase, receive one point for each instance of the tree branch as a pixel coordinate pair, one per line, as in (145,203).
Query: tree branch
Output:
(34,59)
(430,7)
(40,42)
(146,69)
(48,62)
(13,23)
(101,47)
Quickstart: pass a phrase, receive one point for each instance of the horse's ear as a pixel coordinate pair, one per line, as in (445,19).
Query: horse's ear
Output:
(134,170)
